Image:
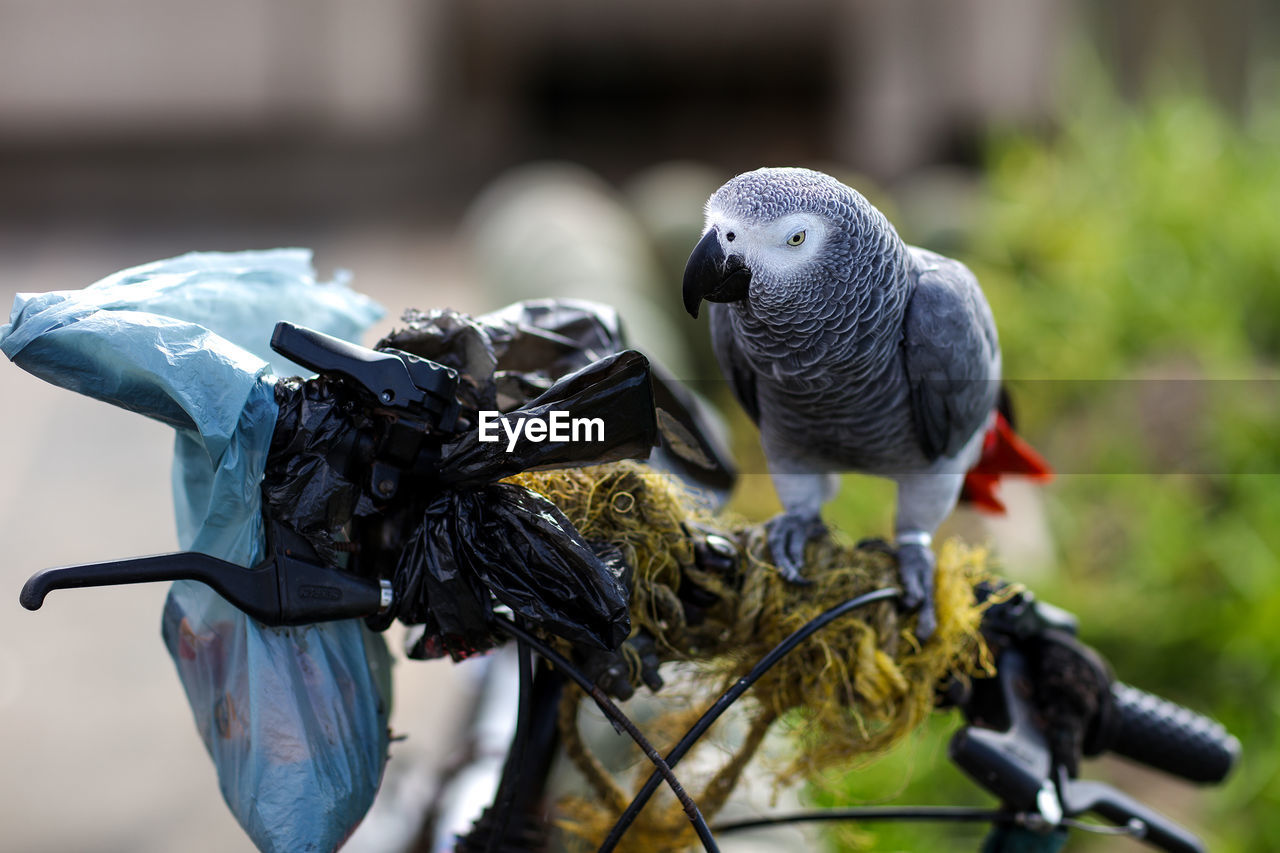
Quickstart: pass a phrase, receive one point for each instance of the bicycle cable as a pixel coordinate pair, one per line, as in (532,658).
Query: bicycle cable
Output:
(731,695)
(507,786)
(942,814)
(621,722)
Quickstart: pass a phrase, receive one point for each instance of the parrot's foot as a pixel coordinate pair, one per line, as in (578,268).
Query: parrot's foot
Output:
(787,535)
(915,567)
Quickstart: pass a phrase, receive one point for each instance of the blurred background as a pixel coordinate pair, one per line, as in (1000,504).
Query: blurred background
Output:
(1111,170)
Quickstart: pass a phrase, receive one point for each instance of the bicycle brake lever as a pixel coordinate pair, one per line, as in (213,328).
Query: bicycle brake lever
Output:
(1085,795)
(1014,764)
(419,394)
(1017,766)
(396,379)
(289,587)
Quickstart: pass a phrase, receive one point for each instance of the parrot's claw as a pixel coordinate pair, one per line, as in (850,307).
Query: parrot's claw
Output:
(791,575)
(915,567)
(787,535)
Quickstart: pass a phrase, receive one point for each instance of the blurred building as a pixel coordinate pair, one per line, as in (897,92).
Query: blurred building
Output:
(323,102)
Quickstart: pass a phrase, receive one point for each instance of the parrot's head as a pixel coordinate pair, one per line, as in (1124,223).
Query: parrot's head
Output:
(786,240)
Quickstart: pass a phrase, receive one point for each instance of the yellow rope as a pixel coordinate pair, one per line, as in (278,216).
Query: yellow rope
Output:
(607,791)
(849,693)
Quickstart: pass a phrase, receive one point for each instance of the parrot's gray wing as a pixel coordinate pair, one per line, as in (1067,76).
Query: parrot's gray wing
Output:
(952,357)
(742,379)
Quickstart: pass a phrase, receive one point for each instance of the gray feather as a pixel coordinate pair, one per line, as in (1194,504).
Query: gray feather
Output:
(950,353)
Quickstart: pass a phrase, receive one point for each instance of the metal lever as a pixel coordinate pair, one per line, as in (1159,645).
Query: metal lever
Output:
(1016,765)
(290,587)
(419,395)
(1083,795)
(395,378)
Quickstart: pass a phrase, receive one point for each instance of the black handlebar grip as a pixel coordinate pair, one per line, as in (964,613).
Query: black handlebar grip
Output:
(1169,737)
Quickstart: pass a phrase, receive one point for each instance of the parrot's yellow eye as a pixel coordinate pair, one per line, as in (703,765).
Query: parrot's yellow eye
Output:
(796,239)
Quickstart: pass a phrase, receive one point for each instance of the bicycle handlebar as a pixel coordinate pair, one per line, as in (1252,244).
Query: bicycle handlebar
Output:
(1154,731)
(1052,701)
(1030,767)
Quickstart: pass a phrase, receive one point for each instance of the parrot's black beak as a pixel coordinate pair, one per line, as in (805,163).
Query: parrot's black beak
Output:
(710,275)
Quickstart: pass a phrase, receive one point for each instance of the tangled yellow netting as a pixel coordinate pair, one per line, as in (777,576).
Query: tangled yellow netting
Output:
(849,692)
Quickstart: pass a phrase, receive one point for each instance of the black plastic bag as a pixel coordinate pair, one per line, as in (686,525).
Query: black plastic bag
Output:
(452,539)
(513,355)
(615,390)
(305,484)
(507,540)
(479,537)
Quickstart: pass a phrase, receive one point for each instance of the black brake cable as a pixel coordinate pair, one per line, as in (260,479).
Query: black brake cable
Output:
(621,721)
(920,814)
(731,695)
(515,757)
(942,814)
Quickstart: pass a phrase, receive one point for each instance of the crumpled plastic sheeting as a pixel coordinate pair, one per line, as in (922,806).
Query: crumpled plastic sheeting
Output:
(478,536)
(454,539)
(294,718)
(200,326)
(525,360)
(505,540)
(510,356)
(240,296)
(303,488)
(616,390)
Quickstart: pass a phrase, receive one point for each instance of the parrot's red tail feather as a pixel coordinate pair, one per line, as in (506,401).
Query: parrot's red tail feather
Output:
(1003,452)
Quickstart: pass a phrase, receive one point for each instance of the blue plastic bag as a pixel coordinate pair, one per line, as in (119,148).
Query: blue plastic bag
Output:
(295,719)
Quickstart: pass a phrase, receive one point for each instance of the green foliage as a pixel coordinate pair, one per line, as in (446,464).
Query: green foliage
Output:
(1131,234)
(1133,264)
(918,773)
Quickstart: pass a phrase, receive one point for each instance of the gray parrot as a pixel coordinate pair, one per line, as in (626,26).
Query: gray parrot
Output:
(852,352)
